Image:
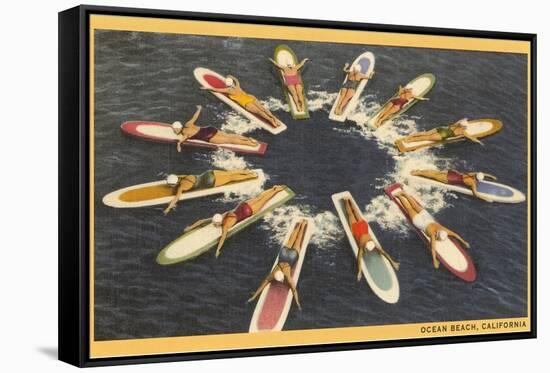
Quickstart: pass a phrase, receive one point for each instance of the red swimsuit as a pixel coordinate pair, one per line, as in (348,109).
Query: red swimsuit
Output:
(399,102)
(243,211)
(455,178)
(359,229)
(204,134)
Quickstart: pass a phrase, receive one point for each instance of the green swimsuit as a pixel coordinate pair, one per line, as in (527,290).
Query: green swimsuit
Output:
(205,180)
(445,132)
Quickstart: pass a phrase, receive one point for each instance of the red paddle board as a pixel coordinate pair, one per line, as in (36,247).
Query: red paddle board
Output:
(162,132)
(452,256)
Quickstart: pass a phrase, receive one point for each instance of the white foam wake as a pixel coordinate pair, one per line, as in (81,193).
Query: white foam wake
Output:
(320,100)
(327,226)
(224,159)
(236,123)
(381,209)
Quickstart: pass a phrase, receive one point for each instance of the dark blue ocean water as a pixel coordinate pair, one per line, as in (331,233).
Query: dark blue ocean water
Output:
(147,76)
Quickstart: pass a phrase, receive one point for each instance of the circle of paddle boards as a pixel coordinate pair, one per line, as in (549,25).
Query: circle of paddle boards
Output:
(449,251)
(159,193)
(211,79)
(199,240)
(276,298)
(496,192)
(479,128)
(420,85)
(162,132)
(284,55)
(376,268)
(366,61)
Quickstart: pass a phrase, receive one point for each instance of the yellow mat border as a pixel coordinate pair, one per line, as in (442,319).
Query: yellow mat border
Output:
(154,346)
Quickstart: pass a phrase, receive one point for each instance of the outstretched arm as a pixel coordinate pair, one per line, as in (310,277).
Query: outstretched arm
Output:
(275,63)
(197,224)
(302,63)
(265,282)
(419,98)
(434,253)
(292,287)
(472,138)
(228,222)
(181,141)
(457,236)
(384,253)
(196,115)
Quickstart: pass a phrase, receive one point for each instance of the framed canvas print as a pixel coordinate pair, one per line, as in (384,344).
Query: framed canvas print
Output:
(236,186)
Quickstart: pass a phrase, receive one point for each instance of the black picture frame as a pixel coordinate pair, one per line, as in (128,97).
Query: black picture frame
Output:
(73,73)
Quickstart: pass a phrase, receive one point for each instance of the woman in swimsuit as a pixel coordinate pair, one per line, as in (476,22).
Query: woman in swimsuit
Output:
(354,77)
(190,131)
(288,257)
(293,82)
(234,91)
(243,211)
(365,243)
(452,177)
(404,96)
(208,179)
(457,129)
(422,220)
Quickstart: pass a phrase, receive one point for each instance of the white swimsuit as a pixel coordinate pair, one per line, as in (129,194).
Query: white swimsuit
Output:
(422,220)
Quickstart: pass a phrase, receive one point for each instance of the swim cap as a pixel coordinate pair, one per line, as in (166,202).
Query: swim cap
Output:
(279,276)
(229,82)
(177,125)
(370,245)
(217,219)
(442,235)
(172,179)
(480,176)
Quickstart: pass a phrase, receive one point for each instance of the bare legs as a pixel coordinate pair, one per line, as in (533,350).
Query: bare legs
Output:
(346,95)
(440,176)
(409,204)
(297,236)
(229,138)
(256,108)
(295,242)
(386,113)
(431,135)
(297,93)
(226,177)
(258,202)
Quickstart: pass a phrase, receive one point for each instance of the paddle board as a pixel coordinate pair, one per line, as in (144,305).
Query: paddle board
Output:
(159,193)
(420,85)
(479,128)
(366,62)
(283,55)
(199,240)
(449,251)
(496,192)
(162,132)
(276,299)
(211,79)
(376,268)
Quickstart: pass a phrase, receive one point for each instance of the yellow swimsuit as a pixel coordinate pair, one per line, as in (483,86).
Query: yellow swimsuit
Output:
(243,99)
